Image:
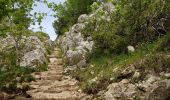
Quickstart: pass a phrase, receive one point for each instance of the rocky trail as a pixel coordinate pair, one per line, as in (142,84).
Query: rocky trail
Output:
(53,84)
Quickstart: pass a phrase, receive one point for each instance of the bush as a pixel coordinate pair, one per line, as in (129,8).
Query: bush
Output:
(9,72)
(130,23)
(68,13)
(164,44)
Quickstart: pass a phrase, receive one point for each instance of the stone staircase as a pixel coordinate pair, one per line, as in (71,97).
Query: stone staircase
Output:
(53,84)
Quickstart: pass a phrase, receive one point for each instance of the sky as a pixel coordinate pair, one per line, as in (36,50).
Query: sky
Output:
(47,21)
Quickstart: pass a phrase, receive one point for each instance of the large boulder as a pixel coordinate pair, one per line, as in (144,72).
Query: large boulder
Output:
(150,88)
(7,43)
(33,58)
(83,18)
(32,43)
(75,47)
(121,91)
(32,50)
(160,91)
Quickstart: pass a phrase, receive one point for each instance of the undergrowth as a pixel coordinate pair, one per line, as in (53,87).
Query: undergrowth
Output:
(11,74)
(104,69)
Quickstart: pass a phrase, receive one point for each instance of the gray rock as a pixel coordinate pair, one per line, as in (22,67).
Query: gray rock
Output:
(32,43)
(70,69)
(74,46)
(167,75)
(82,63)
(33,51)
(136,75)
(128,71)
(74,57)
(83,18)
(49,43)
(121,91)
(33,58)
(147,84)
(160,91)
(7,43)
(130,48)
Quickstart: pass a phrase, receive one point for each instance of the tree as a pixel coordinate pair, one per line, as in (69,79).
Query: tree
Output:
(15,20)
(68,13)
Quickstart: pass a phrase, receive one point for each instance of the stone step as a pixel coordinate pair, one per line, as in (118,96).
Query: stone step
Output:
(52,56)
(42,82)
(52,77)
(51,84)
(60,89)
(57,49)
(43,74)
(34,86)
(55,68)
(52,60)
(54,65)
(56,86)
(56,53)
(51,88)
(64,95)
(52,72)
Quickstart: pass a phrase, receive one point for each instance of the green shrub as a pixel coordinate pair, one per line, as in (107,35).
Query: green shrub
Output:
(156,62)
(9,77)
(130,23)
(9,71)
(164,44)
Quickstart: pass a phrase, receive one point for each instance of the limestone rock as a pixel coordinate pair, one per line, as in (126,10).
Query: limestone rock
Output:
(83,18)
(32,43)
(160,91)
(127,72)
(33,51)
(121,91)
(73,42)
(73,57)
(32,58)
(130,48)
(7,43)
(82,63)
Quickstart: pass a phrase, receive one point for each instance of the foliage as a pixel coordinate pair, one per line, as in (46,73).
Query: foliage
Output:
(15,19)
(164,44)
(41,35)
(68,12)
(9,71)
(9,77)
(130,23)
(108,67)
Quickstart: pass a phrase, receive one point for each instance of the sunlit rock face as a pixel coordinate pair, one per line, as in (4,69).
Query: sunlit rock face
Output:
(32,50)
(75,47)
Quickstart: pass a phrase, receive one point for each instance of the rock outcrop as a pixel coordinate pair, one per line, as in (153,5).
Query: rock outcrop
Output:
(33,51)
(151,87)
(75,47)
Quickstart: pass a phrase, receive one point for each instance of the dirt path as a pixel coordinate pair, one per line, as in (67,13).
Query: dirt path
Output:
(53,84)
